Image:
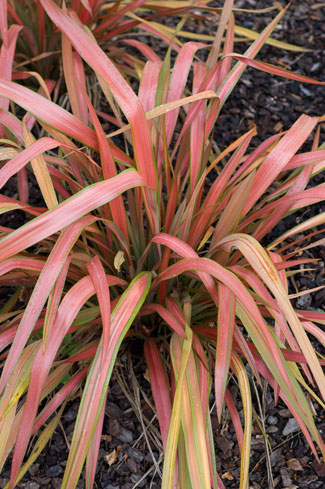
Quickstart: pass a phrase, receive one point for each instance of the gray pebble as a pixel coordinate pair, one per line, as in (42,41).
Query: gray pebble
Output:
(304,301)
(56,483)
(285,476)
(32,485)
(258,443)
(290,427)
(125,435)
(116,390)
(33,469)
(148,457)
(131,463)
(275,457)
(286,481)
(135,477)
(319,281)
(273,420)
(110,486)
(53,471)
(114,428)
(112,410)
(285,413)
(124,404)
(135,453)
(70,415)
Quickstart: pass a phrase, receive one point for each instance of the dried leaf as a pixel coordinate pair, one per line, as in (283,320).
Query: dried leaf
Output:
(294,464)
(119,260)
(228,476)
(111,458)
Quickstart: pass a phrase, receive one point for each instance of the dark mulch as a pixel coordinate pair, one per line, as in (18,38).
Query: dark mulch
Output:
(125,461)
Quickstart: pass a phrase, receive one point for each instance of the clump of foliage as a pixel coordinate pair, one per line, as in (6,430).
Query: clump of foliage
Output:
(149,220)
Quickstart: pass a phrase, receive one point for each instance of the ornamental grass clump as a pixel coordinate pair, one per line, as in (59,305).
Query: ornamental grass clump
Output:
(146,219)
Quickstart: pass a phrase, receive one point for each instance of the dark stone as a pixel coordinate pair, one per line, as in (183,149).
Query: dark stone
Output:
(125,435)
(33,469)
(131,463)
(285,476)
(116,390)
(114,427)
(70,415)
(135,453)
(54,471)
(134,478)
(56,483)
(275,456)
(32,485)
(112,410)
(124,404)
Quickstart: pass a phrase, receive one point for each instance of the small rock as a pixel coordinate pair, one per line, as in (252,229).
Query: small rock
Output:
(56,483)
(110,486)
(114,427)
(70,415)
(123,471)
(290,427)
(125,435)
(236,473)
(224,445)
(135,477)
(258,443)
(304,301)
(275,456)
(135,453)
(285,413)
(319,281)
(33,469)
(112,410)
(131,463)
(272,429)
(116,390)
(286,479)
(273,420)
(53,471)
(124,404)
(148,457)
(129,424)
(32,485)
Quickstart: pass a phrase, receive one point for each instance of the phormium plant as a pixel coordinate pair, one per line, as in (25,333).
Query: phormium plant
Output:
(146,221)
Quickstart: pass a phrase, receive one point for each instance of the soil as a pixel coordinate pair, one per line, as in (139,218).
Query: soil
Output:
(125,461)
